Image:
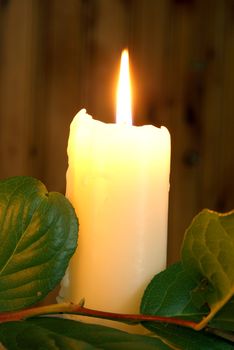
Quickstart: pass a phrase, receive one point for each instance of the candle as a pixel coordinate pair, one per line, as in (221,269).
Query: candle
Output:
(118,182)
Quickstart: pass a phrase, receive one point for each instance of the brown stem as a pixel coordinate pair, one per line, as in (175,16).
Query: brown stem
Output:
(134,317)
(67,308)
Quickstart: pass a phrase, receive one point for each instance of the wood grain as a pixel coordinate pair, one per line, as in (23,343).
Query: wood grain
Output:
(56,59)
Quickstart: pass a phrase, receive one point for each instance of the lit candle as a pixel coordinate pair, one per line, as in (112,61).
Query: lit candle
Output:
(118,182)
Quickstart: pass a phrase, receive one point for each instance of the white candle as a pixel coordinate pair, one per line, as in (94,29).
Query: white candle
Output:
(118,182)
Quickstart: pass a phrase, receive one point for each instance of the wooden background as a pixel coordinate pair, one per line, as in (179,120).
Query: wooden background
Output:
(56,57)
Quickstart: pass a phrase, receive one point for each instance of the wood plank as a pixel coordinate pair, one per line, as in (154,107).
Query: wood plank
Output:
(148,46)
(183,192)
(218,170)
(16,71)
(62,69)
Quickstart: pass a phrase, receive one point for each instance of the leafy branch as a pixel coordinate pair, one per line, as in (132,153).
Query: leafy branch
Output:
(190,305)
(68,308)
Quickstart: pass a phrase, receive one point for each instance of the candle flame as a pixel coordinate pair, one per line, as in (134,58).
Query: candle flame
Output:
(123,107)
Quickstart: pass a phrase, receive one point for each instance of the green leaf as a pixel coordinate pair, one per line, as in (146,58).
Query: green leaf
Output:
(178,292)
(61,334)
(224,319)
(207,254)
(187,339)
(38,234)
(169,294)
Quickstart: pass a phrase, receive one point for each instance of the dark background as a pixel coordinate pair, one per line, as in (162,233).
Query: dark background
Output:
(58,56)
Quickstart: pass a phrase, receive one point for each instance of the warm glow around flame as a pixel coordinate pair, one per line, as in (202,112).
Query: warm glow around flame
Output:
(123,107)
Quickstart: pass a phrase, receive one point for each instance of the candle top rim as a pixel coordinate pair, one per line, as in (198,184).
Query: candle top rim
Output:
(83,115)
